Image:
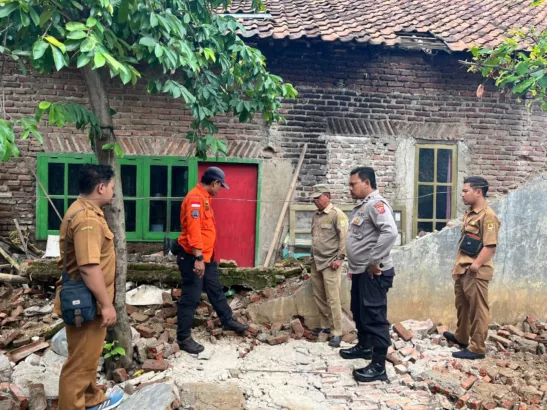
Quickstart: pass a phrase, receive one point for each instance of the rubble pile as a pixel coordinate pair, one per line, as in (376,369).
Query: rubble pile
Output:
(513,375)
(422,372)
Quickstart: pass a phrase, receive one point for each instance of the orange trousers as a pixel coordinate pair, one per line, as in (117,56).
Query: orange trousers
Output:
(77,385)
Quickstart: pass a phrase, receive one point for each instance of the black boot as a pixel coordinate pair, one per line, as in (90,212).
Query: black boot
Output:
(376,370)
(451,338)
(235,325)
(357,352)
(190,345)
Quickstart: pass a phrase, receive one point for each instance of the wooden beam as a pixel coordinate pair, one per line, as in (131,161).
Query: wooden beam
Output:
(288,199)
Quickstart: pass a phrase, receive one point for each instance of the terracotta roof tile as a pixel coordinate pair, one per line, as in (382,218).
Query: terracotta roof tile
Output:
(460,24)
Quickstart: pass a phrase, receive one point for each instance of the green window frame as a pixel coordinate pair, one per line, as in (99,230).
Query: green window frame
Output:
(137,199)
(435,186)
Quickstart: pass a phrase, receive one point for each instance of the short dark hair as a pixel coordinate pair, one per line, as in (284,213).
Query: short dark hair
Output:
(365,173)
(207,179)
(477,183)
(93,175)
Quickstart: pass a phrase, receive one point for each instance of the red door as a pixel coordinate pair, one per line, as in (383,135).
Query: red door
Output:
(235,212)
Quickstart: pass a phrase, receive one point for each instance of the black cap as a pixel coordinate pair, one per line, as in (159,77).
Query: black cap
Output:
(216,174)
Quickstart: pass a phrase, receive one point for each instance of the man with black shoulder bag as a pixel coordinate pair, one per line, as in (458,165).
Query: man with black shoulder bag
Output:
(474,270)
(85,292)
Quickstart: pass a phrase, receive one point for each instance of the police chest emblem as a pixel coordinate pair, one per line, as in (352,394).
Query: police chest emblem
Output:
(195,213)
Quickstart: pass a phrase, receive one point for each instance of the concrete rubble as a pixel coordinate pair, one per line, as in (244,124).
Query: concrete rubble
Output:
(278,365)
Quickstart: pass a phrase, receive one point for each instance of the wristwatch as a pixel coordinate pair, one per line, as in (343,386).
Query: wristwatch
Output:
(199,258)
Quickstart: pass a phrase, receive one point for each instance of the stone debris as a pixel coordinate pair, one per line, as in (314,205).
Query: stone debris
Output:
(273,365)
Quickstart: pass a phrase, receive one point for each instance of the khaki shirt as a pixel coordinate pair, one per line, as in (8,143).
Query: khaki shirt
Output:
(90,242)
(482,222)
(329,229)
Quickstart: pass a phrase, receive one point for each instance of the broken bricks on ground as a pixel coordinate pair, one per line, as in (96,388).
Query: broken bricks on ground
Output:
(33,349)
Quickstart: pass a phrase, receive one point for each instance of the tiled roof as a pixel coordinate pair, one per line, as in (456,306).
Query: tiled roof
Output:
(458,23)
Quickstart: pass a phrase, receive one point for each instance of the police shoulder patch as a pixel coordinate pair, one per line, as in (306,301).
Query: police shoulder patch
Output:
(195,213)
(489,226)
(380,208)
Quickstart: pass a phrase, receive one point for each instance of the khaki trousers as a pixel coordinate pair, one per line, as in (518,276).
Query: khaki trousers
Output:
(473,312)
(326,292)
(77,385)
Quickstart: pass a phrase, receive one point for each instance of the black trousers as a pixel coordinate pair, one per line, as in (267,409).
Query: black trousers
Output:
(192,286)
(369,308)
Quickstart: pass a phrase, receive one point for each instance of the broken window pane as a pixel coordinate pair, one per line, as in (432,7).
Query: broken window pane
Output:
(158,216)
(426,166)
(425,202)
(129,180)
(158,181)
(53,221)
(130,208)
(444,202)
(74,178)
(56,179)
(444,165)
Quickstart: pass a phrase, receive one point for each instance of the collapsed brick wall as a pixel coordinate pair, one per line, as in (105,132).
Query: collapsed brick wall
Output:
(355,104)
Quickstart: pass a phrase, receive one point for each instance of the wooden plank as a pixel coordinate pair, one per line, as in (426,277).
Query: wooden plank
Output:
(19,354)
(285,206)
(21,237)
(6,278)
(8,257)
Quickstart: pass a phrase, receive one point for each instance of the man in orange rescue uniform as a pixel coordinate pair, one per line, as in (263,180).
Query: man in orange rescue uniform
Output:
(196,261)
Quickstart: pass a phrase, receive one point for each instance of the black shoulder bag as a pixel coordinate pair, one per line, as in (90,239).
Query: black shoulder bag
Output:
(470,244)
(78,305)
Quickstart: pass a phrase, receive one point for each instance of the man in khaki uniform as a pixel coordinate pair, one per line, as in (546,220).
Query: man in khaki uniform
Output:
(472,273)
(91,257)
(329,231)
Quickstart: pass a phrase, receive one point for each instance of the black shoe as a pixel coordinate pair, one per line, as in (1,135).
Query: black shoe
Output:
(190,345)
(335,341)
(375,371)
(356,352)
(318,330)
(451,338)
(235,325)
(467,354)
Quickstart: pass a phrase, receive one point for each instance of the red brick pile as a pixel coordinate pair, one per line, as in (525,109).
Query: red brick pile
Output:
(512,376)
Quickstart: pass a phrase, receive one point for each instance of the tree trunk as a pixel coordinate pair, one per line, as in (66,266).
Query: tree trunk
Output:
(115,214)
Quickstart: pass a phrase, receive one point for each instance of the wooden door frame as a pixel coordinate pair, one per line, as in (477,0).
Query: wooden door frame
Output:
(242,161)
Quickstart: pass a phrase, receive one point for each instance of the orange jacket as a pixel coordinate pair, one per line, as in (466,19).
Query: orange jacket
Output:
(198,223)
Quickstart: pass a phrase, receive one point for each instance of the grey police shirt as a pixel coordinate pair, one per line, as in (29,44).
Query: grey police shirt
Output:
(372,233)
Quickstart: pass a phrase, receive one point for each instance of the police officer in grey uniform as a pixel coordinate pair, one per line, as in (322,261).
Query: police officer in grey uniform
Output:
(372,234)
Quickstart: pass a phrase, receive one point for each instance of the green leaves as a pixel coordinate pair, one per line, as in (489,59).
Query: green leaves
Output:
(148,41)
(76,26)
(193,54)
(524,72)
(58,58)
(39,49)
(54,42)
(99,59)
(8,146)
(7,9)
(116,147)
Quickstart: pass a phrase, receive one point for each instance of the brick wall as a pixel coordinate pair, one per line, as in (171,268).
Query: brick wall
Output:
(355,106)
